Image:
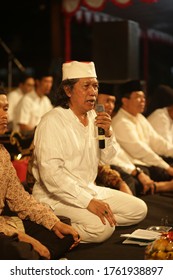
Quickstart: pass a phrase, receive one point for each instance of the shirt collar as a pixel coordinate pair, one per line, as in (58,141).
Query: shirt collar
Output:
(130,116)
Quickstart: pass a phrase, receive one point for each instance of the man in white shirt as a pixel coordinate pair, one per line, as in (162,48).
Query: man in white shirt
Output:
(34,105)
(162,122)
(137,137)
(161,118)
(137,177)
(66,157)
(26,85)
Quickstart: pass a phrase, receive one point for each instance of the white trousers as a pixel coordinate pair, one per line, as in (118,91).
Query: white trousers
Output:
(128,210)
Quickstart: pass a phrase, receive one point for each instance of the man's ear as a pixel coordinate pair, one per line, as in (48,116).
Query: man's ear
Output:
(67,91)
(124,100)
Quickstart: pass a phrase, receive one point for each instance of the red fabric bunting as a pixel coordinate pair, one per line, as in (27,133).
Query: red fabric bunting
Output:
(96,5)
(70,7)
(122,3)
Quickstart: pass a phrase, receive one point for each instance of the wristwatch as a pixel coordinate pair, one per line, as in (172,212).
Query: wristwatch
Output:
(138,171)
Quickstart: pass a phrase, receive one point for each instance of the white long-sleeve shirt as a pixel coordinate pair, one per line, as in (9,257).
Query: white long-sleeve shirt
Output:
(30,109)
(66,158)
(162,123)
(140,140)
(123,160)
(13,99)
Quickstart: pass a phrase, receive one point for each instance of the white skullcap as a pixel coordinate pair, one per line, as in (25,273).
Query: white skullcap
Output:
(76,69)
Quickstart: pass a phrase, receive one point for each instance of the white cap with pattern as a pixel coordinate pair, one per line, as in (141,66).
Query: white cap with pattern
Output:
(76,69)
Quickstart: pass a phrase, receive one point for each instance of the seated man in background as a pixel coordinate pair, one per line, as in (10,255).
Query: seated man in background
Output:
(34,105)
(137,137)
(35,232)
(161,118)
(137,181)
(136,178)
(26,85)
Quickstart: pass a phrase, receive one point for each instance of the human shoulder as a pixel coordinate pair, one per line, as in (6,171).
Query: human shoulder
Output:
(143,121)
(45,99)
(159,118)
(119,117)
(4,154)
(56,115)
(15,90)
(27,100)
(30,96)
(12,94)
(158,113)
(120,114)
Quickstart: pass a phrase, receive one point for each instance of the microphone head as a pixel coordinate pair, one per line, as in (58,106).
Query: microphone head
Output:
(99,108)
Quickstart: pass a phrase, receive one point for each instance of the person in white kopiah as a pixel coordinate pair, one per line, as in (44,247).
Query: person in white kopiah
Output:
(66,157)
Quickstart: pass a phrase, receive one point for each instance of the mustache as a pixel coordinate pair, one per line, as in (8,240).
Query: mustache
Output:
(2,122)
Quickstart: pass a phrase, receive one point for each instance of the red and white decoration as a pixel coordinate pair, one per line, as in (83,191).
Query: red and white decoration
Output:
(85,10)
(71,6)
(122,3)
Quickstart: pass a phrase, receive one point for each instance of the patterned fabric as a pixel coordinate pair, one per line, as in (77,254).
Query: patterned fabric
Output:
(18,200)
(108,177)
(29,176)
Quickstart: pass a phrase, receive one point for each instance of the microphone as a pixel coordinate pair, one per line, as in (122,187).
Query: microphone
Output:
(101,132)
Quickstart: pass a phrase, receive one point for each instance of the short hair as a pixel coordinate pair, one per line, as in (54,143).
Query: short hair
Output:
(42,73)
(24,77)
(3,91)
(162,97)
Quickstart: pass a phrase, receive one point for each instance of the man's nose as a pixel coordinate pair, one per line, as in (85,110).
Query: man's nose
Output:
(93,90)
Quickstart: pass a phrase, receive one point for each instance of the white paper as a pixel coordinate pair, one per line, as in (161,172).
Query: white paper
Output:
(143,234)
(140,237)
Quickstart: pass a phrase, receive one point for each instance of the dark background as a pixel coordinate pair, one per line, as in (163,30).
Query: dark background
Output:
(26,28)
